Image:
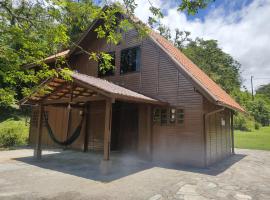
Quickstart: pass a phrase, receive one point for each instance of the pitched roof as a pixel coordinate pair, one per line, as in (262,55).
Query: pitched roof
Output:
(85,86)
(212,88)
(195,73)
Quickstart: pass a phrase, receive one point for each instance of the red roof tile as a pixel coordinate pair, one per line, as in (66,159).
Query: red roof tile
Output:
(194,71)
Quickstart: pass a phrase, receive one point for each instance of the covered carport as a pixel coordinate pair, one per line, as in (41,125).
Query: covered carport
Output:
(78,93)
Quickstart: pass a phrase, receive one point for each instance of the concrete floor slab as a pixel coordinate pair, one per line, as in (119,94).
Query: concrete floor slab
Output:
(76,175)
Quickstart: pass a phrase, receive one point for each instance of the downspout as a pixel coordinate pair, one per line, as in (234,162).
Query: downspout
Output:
(232,133)
(205,117)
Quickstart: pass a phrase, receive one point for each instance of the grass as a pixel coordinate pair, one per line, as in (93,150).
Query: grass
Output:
(257,139)
(13,129)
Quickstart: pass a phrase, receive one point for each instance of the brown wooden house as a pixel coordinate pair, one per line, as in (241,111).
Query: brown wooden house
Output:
(155,103)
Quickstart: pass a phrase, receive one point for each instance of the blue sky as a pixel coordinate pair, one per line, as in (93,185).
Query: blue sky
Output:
(241,27)
(228,5)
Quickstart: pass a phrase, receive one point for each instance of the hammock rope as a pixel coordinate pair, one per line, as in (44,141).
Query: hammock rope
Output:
(69,140)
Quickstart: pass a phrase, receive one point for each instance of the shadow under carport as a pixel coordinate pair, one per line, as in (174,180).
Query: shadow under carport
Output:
(91,165)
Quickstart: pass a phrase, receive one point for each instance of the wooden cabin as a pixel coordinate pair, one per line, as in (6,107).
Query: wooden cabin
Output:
(155,103)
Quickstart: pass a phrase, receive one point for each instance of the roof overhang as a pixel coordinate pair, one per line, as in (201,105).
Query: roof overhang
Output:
(50,59)
(81,89)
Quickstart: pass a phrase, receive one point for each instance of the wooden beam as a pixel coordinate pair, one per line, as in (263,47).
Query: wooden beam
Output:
(86,128)
(107,130)
(75,100)
(232,132)
(38,150)
(55,91)
(95,89)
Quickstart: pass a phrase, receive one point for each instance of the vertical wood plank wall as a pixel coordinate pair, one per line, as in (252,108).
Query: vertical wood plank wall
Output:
(159,78)
(218,136)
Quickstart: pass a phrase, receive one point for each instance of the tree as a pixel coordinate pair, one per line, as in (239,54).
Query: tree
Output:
(264,90)
(260,109)
(220,66)
(32,30)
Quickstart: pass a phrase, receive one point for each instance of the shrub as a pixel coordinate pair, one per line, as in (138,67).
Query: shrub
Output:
(257,126)
(13,133)
(244,123)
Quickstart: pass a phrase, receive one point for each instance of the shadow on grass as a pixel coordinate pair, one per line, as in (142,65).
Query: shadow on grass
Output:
(91,165)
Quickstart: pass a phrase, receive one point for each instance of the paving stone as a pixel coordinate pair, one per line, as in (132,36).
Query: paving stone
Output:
(179,196)
(242,197)
(194,197)
(230,187)
(181,183)
(211,185)
(155,197)
(187,189)
(222,193)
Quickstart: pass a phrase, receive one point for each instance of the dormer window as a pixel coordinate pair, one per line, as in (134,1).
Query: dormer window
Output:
(103,71)
(130,60)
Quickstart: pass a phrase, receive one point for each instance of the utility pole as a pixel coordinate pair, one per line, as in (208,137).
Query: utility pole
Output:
(252,91)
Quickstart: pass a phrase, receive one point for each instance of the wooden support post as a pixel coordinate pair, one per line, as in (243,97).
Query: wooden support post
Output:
(107,130)
(232,133)
(37,150)
(69,114)
(86,131)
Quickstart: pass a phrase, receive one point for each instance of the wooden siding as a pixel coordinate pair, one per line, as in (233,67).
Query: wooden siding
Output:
(218,136)
(96,122)
(145,131)
(159,78)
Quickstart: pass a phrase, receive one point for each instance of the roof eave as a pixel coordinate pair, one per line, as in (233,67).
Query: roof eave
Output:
(232,107)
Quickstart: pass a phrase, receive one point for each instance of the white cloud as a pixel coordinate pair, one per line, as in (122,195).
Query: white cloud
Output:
(244,33)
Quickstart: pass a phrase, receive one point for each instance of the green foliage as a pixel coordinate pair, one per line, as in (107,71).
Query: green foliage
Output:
(257,126)
(220,66)
(33,30)
(264,90)
(192,6)
(13,133)
(260,109)
(244,123)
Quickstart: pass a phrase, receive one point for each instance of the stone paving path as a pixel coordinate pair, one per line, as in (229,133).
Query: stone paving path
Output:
(76,176)
(244,179)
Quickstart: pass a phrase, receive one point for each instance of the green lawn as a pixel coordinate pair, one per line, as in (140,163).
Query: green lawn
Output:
(257,139)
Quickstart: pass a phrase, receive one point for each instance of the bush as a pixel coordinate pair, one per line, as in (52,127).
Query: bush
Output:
(13,133)
(257,126)
(244,123)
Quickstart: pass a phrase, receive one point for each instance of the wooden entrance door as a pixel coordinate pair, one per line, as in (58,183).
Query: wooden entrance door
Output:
(124,127)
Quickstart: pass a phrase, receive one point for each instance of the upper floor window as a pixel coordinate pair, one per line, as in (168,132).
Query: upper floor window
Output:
(105,70)
(130,60)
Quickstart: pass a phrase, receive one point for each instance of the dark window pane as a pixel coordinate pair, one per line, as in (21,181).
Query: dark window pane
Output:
(164,117)
(130,60)
(180,116)
(107,71)
(156,115)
